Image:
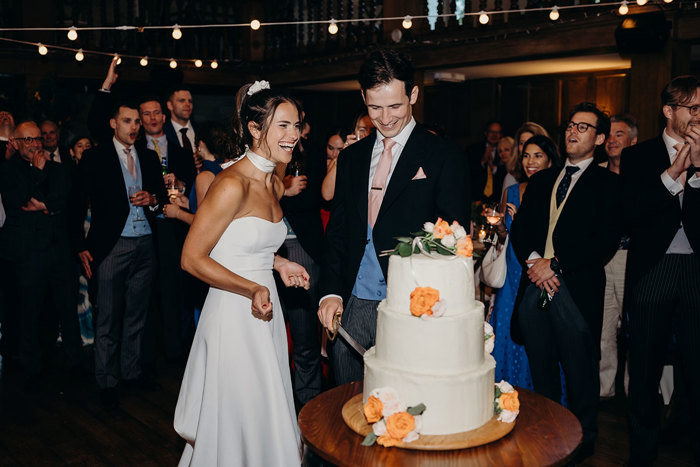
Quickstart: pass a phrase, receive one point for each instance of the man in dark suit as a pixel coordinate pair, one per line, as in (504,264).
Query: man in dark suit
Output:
(566,230)
(125,190)
(661,194)
(34,240)
(486,169)
(179,127)
(51,135)
(387,185)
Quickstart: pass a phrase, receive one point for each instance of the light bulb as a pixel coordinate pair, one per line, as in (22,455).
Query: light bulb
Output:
(72,33)
(483,17)
(198,63)
(668,1)
(144,61)
(214,65)
(407,23)
(333,27)
(554,14)
(255,25)
(641,2)
(177,32)
(624,9)
(42,49)
(173,63)
(79,55)
(117,59)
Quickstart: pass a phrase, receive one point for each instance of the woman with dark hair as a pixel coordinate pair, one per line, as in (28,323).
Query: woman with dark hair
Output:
(236,405)
(539,152)
(336,141)
(77,146)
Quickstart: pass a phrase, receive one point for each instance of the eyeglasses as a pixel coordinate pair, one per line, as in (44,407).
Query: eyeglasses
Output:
(30,140)
(693,110)
(582,127)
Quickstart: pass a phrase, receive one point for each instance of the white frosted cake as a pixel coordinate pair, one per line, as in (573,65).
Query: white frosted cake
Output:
(439,361)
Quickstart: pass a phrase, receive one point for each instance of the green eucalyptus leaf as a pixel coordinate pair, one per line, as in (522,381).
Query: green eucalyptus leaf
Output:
(370,439)
(416,410)
(404,249)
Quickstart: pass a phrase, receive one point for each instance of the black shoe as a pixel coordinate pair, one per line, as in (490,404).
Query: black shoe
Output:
(109,398)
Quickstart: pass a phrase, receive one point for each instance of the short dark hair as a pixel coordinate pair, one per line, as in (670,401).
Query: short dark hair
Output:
(335,131)
(628,120)
(214,136)
(547,145)
(602,120)
(178,87)
(383,66)
(128,103)
(150,98)
(680,90)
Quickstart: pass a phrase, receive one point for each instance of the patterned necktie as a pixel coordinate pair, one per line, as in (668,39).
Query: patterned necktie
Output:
(376,193)
(488,188)
(565,183)
(156,148)
(130,163)
(186,143)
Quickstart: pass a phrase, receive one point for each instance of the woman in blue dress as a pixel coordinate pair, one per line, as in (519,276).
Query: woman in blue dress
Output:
(539,153)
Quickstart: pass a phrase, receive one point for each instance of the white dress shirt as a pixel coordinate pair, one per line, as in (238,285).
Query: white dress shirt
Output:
(396,151)
(190,131)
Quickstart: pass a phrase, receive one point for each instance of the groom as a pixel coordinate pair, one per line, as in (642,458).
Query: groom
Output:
(388,185)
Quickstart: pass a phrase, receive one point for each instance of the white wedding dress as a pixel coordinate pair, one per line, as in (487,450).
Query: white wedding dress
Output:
(235,406)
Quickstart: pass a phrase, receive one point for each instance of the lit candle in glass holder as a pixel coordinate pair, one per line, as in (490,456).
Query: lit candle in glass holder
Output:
(482,235)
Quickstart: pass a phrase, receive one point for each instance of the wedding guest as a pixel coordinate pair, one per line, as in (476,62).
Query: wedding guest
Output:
(51,135)
(34,240)
(623,133)
(506,152)
(236,405)
(335,143)
(539,153)
(485,167)
(566,230)
(526,131)
(661,195)
(125,191)
(79,144)
(179,126)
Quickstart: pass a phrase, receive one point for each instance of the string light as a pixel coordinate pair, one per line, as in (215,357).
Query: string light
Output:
(173,63)
(333,27)
(214,65)
(668,1)
(177,32)
(255,25)
(554,14)
(407,23)
(42,49)
(79,56)
(641,2)
(483,17)
(624,9)
(198,63)
(117,59)
(143,61)
(72,33)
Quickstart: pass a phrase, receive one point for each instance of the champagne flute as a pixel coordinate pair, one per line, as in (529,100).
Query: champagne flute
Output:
(132,190)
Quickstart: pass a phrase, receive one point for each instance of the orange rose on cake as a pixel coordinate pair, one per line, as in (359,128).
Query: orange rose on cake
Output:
(423,299)
(509,401)
(373,409)
(400,424)
(465,247)
(441,228)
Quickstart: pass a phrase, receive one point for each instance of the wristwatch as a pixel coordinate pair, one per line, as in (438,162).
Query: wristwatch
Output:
(554,266)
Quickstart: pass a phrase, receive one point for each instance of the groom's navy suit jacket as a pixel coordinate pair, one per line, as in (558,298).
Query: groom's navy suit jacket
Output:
(407,204)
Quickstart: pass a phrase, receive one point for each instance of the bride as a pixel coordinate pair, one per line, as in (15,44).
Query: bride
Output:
(235,405)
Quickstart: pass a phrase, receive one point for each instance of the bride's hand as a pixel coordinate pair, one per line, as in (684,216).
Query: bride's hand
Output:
(293,274)
(261,304)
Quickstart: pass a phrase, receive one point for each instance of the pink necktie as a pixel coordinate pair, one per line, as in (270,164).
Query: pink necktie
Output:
(376,193)
(130,164)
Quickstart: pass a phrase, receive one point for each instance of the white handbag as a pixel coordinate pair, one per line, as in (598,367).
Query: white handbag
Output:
(493,267)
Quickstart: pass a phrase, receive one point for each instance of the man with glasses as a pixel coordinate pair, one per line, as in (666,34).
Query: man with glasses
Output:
(661,194)
(486,169)
(566,230)
(34,240)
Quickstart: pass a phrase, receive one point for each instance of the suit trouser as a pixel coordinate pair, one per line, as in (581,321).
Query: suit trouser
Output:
(39,272)
(360,321)
(300,308)
(612,312)
(663,302)
(561,334)
(125,278)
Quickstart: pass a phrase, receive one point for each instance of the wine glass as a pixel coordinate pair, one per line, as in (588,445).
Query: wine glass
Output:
(132,190)
(494,217)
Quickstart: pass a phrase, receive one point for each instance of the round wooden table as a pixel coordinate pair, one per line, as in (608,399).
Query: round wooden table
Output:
(545,433)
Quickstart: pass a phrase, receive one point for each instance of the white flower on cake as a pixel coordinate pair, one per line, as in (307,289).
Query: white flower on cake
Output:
(506,404)
(438,310)
(489,338)
(448,241)
(458,230)
(392,422)
(428,227)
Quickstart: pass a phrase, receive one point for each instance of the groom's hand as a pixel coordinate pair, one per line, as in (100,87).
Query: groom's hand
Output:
(327,310)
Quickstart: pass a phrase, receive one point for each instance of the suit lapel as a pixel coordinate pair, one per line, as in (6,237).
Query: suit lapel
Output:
(405,169)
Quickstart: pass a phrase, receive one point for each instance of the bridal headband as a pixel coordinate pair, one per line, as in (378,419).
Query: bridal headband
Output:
(258,86)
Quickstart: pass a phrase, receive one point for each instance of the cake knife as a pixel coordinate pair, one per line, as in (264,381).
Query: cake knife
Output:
(338,329)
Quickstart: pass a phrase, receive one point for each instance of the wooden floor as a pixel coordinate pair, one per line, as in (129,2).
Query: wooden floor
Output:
(64,424)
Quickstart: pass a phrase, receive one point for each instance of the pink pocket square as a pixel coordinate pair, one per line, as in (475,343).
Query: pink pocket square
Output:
(420,175)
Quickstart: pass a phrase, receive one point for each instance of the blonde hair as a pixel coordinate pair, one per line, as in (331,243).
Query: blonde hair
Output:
(514,166)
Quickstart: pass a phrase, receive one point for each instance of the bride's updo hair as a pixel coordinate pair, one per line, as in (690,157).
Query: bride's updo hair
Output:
(259,108)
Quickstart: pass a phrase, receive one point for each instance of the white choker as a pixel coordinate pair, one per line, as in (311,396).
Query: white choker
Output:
(260,162)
